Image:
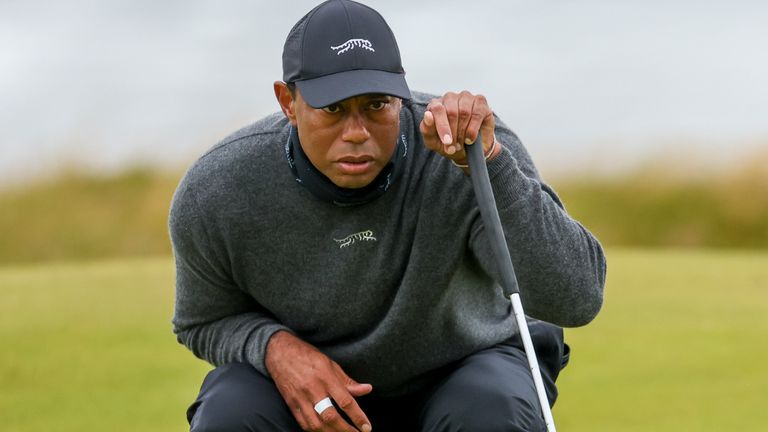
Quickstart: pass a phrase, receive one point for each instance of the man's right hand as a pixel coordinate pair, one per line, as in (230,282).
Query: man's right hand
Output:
(304,376)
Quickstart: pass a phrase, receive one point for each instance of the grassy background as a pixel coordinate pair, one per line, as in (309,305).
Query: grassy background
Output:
(85,315)
(79,215)
(679,346)
(89,347)
(83,215)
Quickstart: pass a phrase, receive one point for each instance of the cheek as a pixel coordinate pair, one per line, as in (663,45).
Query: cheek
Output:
(316,143)
(388,140)
(387,133)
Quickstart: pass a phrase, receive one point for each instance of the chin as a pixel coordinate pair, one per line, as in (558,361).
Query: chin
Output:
(351,184)
(347,182)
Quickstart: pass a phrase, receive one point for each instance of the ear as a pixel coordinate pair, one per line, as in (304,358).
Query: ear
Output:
(285,100)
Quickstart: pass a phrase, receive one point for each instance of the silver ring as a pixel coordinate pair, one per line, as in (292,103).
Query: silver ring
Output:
(323,405)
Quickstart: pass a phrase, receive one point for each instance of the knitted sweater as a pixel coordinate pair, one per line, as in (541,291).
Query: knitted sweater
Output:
(391,289)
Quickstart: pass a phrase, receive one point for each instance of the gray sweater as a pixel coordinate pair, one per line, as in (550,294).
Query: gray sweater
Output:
(391,289)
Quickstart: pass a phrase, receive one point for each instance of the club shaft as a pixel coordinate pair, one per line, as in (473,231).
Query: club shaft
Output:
(481,184)
(533,363)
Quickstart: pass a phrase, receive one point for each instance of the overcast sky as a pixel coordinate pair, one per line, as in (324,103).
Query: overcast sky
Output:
(589,84)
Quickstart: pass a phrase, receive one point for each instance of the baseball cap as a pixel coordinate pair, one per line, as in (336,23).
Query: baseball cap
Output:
(342,49)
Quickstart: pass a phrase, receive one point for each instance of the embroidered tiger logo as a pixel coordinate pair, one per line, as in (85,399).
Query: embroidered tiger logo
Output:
(352,44)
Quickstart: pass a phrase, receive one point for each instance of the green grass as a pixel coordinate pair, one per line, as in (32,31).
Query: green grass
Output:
(679,346)
(89,347)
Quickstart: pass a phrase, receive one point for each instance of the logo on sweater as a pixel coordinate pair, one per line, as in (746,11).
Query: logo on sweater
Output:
(351,239)
(352,44)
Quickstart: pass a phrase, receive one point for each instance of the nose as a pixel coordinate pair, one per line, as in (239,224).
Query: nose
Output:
(355,130)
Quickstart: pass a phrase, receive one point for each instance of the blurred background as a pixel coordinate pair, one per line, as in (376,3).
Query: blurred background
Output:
(648,118)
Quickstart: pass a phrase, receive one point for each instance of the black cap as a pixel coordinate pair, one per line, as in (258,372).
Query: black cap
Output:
(342,49)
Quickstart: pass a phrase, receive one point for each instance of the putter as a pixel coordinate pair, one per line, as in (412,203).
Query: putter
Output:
(481,184)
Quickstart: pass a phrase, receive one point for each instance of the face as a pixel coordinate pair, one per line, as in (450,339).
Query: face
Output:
(351,141)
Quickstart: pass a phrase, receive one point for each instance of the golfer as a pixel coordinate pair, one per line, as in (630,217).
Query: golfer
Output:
(332,264)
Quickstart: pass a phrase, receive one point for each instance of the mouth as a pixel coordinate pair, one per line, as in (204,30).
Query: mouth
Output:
(355,165)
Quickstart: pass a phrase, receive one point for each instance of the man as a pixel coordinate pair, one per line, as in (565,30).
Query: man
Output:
(332,264)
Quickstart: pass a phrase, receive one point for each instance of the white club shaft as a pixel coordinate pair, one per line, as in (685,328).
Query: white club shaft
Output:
(525,335)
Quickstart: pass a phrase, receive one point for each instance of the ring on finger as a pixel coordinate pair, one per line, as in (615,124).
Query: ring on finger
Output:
(323,405)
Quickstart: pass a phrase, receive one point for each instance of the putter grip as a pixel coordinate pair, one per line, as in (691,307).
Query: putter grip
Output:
(481,184)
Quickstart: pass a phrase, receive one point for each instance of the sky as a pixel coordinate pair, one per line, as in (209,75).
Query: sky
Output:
(589,86)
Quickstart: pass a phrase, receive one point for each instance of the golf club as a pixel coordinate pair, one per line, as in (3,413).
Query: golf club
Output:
(481,184)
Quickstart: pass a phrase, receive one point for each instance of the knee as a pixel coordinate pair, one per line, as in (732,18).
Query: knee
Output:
(237,398)
(233,422)
(487,414)
(209,420)
(222,415)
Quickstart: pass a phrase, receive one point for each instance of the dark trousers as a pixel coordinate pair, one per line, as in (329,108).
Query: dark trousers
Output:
(491,390)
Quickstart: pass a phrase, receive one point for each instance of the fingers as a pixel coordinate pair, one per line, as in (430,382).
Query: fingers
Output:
(456,120)
(345,399)
(324,416)
(318,412)
(436,126)
(464,113)
(330,420)
(349,406)
(304,376)
(358,390)
(481,121)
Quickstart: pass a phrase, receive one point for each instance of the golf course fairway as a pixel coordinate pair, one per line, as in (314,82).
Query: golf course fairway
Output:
(679,346)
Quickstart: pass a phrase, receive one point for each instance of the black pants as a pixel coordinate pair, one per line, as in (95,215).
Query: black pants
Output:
(491,390)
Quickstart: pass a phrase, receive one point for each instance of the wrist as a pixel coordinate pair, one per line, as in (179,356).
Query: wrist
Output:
(489,154)
(274,346)
(494,151)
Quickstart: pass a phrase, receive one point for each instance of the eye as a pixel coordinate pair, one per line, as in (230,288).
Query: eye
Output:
(377,105)
(332,109)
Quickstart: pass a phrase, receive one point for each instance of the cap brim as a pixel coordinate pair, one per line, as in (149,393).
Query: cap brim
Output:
(326,90)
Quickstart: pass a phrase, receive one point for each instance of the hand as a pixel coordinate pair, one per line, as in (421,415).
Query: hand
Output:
(304,376)
(456,120)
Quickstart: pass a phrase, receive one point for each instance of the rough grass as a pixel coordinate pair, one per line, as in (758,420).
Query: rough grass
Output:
(80,215)
(77,215)
(653,211)
(678,346)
